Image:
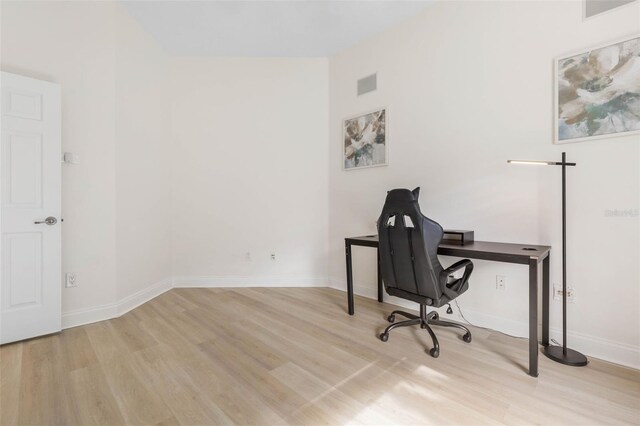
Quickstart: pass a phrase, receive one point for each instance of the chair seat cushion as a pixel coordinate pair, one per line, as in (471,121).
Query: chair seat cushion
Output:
(423,300)
(454,285)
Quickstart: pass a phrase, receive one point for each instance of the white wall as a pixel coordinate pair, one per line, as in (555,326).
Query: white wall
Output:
(250,148)
(73,44)
(143,159)
(468,86)
(116,233)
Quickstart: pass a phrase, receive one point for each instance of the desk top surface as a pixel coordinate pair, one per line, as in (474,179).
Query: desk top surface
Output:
(488,250)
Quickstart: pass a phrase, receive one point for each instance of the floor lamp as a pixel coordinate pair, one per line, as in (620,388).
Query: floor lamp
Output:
(561,354)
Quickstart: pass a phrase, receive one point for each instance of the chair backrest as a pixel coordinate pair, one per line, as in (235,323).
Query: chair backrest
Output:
(409,246)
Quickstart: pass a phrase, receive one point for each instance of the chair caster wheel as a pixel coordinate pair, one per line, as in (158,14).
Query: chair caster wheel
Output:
(434,352)
(391,318)
(467,337)
(384,337)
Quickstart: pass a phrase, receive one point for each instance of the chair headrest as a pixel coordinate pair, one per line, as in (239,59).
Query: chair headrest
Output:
(400,196)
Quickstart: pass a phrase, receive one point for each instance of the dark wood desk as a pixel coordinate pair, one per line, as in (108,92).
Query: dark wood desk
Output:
(524,254)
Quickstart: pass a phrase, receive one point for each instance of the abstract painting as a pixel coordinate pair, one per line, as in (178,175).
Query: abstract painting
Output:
(365,140)
(598,93)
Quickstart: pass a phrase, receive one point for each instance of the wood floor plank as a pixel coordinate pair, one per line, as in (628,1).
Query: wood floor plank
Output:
(325,403)
(271,356)
(128,330)
(77,349)
(157,367)
(105,341)
(137,399)
(236,399)
(10,377)
(44,384)
(278,397)
(92,397)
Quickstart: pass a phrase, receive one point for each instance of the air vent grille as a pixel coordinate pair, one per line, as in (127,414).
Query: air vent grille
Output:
(595,7)
(367,84)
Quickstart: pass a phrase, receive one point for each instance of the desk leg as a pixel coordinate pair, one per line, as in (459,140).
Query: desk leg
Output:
(347,249)
(380,289)
(533,317)
(545,301)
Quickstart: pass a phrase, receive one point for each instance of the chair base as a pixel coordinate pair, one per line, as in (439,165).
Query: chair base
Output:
(424,320)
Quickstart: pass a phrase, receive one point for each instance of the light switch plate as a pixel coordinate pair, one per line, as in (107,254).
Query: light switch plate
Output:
(71,158)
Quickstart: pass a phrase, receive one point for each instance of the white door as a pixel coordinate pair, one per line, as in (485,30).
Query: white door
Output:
(30,250)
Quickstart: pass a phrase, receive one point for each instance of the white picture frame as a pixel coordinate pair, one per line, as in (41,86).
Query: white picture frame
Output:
(346,154)
(556,107)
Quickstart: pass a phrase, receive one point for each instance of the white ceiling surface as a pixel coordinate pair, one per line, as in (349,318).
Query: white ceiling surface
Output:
(262,28)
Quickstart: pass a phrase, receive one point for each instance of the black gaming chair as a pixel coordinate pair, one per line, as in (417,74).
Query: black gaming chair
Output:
(410,267)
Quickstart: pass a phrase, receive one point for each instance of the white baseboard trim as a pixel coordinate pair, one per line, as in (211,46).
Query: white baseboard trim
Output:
(619,353)
(144,295)
(113,310)
(248,281)
(85,316)
(596,347)
(89,315)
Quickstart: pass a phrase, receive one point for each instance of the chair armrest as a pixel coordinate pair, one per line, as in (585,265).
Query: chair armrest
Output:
(464,263)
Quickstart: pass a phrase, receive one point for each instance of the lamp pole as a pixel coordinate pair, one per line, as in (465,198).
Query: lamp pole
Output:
(561,354)
(564,254)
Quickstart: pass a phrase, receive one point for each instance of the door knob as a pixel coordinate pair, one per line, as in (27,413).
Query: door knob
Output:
(49,221)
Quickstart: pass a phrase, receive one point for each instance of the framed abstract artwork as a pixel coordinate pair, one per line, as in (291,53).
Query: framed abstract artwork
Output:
(364,139)
(597,92)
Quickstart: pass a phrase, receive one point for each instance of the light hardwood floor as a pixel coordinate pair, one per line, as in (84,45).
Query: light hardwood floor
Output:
(293,356)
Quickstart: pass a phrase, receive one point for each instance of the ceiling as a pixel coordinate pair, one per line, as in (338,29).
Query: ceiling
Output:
(299,28)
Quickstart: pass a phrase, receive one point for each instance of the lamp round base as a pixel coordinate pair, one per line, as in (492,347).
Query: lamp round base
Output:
(572,358)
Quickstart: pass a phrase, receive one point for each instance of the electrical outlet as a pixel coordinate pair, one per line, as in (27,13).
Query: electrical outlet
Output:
(70,280)
(501,282)
(557,293)
(570,294)
(273,256)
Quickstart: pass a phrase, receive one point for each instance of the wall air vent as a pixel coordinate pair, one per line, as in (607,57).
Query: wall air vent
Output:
(596,7)
(367,84)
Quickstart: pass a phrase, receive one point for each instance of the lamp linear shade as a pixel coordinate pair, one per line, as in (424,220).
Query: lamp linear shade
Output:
(538,163)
